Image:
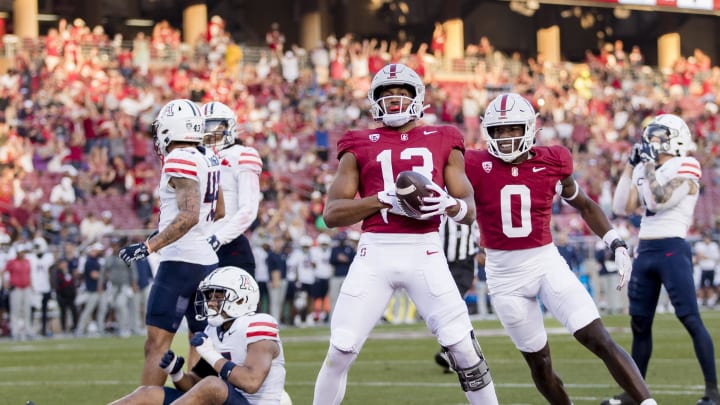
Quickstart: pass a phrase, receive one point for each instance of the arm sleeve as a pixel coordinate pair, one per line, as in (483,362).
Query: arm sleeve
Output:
(248,202)
(677,195)
(622,194)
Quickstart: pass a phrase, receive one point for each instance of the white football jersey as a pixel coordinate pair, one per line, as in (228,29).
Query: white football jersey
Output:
(240,179)
(671,222)
(244,331)
(204,168)
(708,254)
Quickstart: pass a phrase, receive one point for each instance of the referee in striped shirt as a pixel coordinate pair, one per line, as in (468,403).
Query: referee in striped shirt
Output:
(460,243)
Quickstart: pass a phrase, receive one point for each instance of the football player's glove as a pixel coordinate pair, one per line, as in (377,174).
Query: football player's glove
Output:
(388,197)
(623,262)
(172,365)
(205,348)
(436,205)
(134,252)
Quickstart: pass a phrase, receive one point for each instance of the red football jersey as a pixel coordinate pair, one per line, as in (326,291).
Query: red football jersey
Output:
(382,153)
(514,202)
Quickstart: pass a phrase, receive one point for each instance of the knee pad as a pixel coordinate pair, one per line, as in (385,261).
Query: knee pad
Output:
(344,341)
(473,376)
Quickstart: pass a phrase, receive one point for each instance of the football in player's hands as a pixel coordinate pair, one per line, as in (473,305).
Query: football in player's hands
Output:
(410,189)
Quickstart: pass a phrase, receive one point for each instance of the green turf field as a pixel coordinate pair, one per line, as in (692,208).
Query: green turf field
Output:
(395,367)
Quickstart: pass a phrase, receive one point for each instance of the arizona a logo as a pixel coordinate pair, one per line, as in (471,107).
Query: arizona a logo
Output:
(374,137)
(487,166)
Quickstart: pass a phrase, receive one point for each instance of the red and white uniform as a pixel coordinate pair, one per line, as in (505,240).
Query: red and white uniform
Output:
(514,205)
(240,168)
(383,153)
(233,344)
(404,253)
(190,163)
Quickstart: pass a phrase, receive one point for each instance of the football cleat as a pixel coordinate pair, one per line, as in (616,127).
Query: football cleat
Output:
(441,358)
(706,401)
(620,399)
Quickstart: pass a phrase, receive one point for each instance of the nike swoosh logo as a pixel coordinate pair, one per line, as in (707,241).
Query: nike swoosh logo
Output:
(538,169)
(430,252)
(428,132)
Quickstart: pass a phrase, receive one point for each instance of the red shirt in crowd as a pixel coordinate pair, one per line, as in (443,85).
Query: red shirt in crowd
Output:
(19,271)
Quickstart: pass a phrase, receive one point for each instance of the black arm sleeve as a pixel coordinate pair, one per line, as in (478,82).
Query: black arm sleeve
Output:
(203,369)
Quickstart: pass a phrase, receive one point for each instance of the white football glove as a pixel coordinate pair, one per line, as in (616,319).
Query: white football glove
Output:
(624,265)
(390,198)
(436,205)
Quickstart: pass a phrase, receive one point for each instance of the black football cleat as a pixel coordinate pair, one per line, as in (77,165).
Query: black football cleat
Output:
(441,359)
(706,401)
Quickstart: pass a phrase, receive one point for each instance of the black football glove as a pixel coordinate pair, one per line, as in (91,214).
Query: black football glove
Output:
(136,251)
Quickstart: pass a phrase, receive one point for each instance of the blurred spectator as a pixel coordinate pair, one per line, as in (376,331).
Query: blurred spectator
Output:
(437,45)
(94,298)
(277,267)
(107,223)
(341,256)
(65,287)
(18,281)
(91,228)
(275,39)
(121,282)
(63,192)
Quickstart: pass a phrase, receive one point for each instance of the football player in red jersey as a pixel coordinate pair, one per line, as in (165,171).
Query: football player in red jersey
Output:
(515,183)
(396,251)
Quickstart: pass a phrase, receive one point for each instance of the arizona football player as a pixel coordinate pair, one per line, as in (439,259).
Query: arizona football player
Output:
(240,168)
(514,183)
(661,178)
(396,251)
(242,355)
(190,199)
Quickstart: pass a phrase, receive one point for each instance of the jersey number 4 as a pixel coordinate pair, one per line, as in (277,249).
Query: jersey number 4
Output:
(211,193)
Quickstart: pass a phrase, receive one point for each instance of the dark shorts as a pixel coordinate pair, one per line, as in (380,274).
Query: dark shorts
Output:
(237,253)
(320,288)
(235,397)
(707,278)
(662,262)
(463,272)
(172,296)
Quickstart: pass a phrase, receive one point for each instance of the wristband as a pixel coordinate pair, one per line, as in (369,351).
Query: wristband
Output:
(575,194)
(462,212)
(177,376)
(226,370)
(212,357)
(610,236)
(617,243)
(613,240)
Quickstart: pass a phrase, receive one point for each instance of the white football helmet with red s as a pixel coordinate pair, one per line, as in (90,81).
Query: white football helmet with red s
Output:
(509,109)
(411,108)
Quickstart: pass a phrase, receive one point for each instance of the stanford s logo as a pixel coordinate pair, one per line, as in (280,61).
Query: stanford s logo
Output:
(363,251)
(374,137)
(403,137)
(487,166)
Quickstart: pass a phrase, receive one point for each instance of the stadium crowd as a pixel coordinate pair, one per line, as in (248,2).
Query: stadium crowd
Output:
(78,172)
